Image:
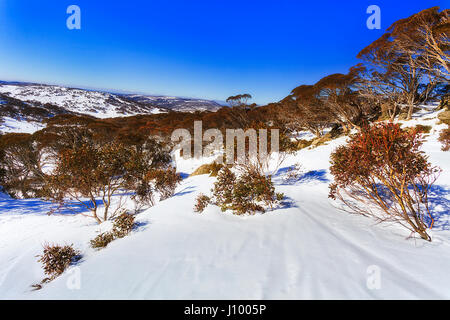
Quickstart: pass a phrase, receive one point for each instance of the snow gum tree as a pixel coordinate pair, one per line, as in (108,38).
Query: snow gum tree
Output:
(89,172)
(21,165)
(92,174)
(411,59)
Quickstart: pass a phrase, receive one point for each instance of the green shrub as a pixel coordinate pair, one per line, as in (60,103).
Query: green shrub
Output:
(279,196)
(252,191)
(223,188)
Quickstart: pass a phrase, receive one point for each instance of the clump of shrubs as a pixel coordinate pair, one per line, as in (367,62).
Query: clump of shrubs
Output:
(166,181)
(56,259)
(382,173)
(201,202)
(279,196)
(294,173)
(223,188)
(249,192)
(102,240)
(161,181)
(423,129)
(122,226)
(444,138)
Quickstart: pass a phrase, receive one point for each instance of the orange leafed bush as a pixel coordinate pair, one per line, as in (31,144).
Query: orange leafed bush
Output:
(382,173)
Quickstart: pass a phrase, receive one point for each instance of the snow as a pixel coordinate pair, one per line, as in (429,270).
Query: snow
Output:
(103,104)
(93,103)
(4,196)
(8,125)
(304,249)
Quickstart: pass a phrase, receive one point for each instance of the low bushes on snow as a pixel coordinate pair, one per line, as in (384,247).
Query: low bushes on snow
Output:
(155,181)
(302,143)
(201,202)
(223,188)
(382,173)
(444,117)
(249,192)
(423,129)
(56,259)
(122,226)
(164,180)
(102,240)
(20,165)
(84,166)
(294,173)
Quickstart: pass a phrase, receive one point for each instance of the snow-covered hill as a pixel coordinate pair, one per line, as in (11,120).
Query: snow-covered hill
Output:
(34,102)
(306,248)
(176,103)
(93,103)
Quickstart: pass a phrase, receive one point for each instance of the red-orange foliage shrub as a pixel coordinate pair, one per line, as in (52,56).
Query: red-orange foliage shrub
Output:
(382,173)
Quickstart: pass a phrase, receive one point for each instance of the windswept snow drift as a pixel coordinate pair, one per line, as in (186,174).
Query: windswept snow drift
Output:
(305,248)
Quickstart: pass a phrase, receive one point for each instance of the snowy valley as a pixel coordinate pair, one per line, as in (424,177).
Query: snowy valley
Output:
(305,248)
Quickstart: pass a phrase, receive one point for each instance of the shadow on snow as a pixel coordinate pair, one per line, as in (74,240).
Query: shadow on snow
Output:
(310,176)
(439,204)
(37,206)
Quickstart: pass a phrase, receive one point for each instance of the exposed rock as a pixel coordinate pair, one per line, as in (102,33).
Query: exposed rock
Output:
(321,140)
(444,117)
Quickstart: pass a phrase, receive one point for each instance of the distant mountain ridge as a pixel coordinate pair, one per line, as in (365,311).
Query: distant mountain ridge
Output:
(35,102)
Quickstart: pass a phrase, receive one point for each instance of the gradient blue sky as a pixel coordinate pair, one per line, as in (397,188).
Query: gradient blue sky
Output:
(205,49)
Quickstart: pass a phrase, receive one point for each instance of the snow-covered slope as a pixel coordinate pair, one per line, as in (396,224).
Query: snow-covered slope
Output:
(93,103)
(8,125)
(306,248)
(177,103)
(36,101)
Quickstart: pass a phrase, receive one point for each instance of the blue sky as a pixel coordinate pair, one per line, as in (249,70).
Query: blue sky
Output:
(206,49)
